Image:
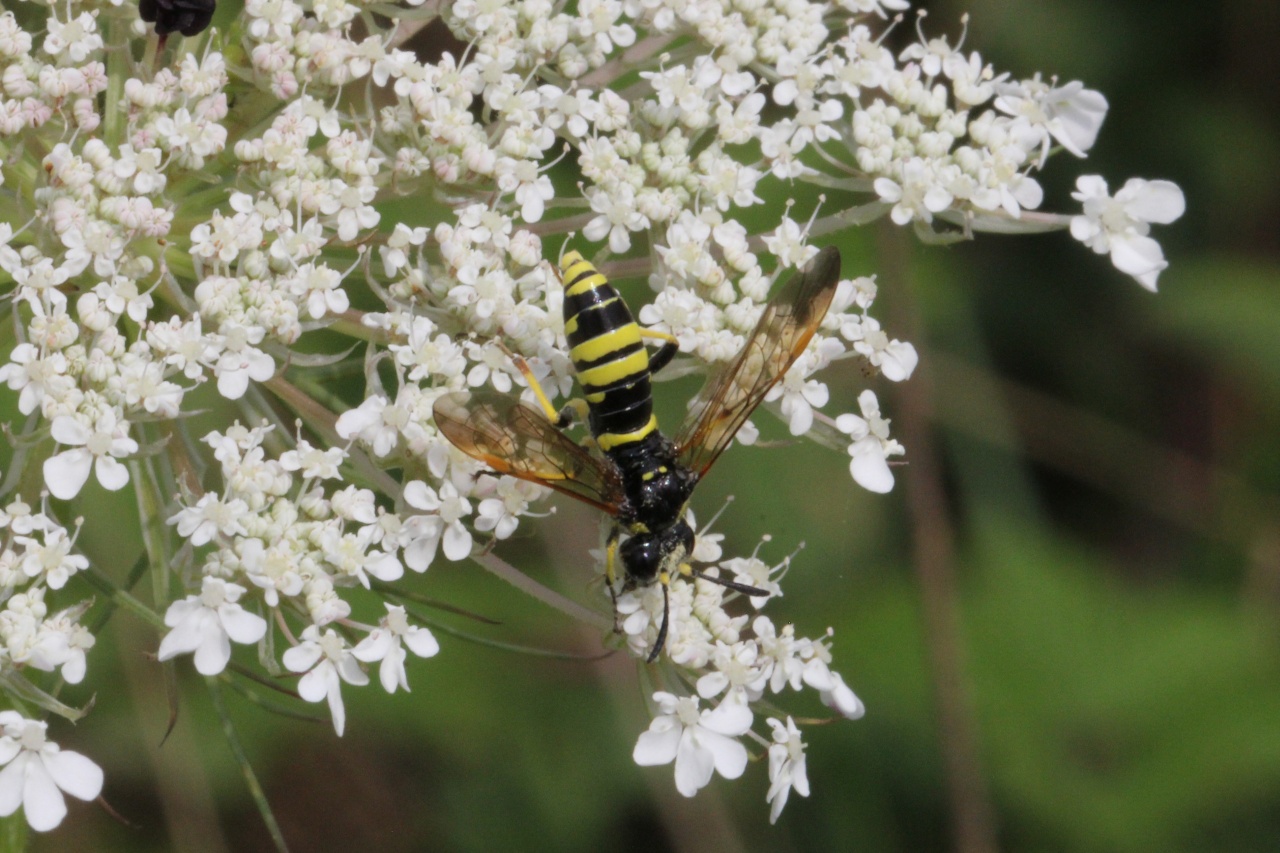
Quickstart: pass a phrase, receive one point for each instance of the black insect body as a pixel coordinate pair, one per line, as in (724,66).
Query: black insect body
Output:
(189,17)
(638,476)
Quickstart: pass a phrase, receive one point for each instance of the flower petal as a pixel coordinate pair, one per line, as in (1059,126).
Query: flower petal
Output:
(42,802)
(12,779)
(314,686)
(1158,201)
(694,765)
(869,468)
(112,474)
(422,642)
(419,495)
(654,748)
(66,429)
(730,756)
(336,709)
(302,658)
(213,652)
(457,541)
(187,635)
(729,718)
(241,625)
(75,774)
(66,473)
(391,673)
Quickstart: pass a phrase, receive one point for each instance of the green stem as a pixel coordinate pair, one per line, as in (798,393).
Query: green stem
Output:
(152,515)
(246,769)
(120,598)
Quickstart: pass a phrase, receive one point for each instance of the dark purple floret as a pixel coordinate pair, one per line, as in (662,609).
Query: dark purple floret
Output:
(188,17)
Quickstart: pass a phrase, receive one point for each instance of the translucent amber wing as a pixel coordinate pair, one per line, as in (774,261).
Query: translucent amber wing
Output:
(513,438)
(733,392)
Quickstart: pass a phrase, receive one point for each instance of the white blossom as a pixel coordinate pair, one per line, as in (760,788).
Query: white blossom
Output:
(1119,225)
(326,662)
(37,772)
(97,448)
(871,445)
(387,643)
(207,623)
(699,742)
(786,766)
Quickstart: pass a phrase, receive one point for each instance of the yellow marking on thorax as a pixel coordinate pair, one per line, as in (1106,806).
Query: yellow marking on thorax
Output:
(615,371)
(606,343)
(610,440)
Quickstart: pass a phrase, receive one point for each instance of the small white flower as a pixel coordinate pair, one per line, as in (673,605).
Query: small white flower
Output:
(700,743)
(349,554)
(209,517)
(753,571)
(424,532)
(327,662)
(1070,114)
(800,397)
(618,217)
(1120,224)
(98,449)
(314,462)
(35,376)
(896,359)
(501,514)
(62,644)
(918,193)
(241,361)
(871,445)
(207,623)
(52,558)
(840,697)
(387,643)
(786,767)
(37,772)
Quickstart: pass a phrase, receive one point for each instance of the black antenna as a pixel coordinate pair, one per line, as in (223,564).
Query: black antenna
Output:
(752,591)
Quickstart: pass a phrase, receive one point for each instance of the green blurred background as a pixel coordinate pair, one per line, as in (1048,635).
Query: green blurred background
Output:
(1063,621)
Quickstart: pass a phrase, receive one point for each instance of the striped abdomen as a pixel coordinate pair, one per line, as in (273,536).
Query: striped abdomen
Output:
(608,354)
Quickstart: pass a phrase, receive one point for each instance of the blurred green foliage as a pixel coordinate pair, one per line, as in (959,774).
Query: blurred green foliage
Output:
(1112,472)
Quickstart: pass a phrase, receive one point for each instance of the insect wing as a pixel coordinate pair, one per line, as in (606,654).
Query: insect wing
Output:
(733,392)
(513,438)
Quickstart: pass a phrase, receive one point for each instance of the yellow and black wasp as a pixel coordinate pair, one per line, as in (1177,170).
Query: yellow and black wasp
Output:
(638,476)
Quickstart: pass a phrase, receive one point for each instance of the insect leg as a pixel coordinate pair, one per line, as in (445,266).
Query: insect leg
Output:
(610,571)
(573,412)
(665,580)
(665,353)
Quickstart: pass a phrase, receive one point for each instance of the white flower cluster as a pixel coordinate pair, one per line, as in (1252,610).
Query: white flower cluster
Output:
(36,556)
(276,528)
(169,240)
(735,661)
